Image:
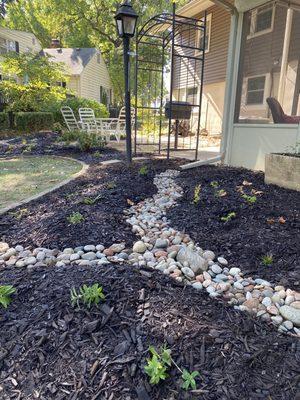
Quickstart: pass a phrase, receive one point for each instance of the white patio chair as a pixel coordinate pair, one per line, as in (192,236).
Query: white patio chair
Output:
(88,119)
(116,126)
(69,118)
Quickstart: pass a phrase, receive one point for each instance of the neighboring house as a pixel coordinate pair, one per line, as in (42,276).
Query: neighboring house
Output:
(87,72)
(252,53)
(18,41)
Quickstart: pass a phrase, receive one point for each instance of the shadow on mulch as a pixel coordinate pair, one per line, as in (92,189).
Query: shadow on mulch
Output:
(271,225)
(44,222)
(51,351)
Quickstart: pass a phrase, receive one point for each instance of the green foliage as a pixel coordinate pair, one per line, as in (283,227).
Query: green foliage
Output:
(4,121)
(90,140)
(97,154)
(75,218)
(144,170)
(34,83)
(75,103)
(228,217)
(267,260)
(214,184)
(158,364)
(294,149)
(89,201)
(189,379)
(19,214)
(33,121)
(197,192)
(69,136)
(87,295)
(249,199)
(111,185)
(5,294)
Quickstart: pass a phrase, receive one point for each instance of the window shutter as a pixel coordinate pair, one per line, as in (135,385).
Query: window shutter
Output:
(17,47)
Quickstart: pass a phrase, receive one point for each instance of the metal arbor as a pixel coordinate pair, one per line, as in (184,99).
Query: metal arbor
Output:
(170,53)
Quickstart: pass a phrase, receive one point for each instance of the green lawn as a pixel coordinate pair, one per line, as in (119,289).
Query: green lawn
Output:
(23,177)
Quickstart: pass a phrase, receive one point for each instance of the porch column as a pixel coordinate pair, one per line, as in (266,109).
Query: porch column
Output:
(285,54)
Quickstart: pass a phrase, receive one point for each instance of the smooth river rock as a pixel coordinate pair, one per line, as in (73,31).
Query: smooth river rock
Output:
(290,313)
(197,263)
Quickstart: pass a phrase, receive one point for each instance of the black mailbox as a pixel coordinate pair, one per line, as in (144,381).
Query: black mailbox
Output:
(179,110)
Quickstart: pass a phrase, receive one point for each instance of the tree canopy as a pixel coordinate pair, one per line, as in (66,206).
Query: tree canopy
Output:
(80,23)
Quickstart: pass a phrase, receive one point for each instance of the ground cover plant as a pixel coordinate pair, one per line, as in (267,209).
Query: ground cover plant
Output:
(243,229)
(51,348)
(23,177)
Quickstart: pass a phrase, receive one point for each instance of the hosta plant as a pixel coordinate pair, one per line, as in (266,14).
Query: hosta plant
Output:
(87,295)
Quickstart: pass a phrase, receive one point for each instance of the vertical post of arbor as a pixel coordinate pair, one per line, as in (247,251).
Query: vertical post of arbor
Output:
(172,79)
(127,99)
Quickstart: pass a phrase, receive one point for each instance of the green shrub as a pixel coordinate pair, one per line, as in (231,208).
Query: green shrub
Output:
(89,140)
(4,121)
(33,121)
(75,103)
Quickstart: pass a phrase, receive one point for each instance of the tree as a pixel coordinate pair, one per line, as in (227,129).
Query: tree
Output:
(81,23)
(30,81)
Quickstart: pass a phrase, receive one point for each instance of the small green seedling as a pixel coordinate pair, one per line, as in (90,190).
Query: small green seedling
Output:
(75,218)
(158,365)
(87,295)
(214,184)
(197,192)
(143,171)
(189,379)
(249,199)
(5,293)
(228,217)
(97,154)
(90,201)
(267,260)
(220,193)
(19,214)
(111,185)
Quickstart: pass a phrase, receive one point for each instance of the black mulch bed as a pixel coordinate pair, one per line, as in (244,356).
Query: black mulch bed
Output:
(51,351)
(45,221)
(270,225)
(48,144)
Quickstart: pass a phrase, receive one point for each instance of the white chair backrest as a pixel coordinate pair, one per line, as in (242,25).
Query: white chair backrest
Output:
(122,114)
(69,118)
(86,115)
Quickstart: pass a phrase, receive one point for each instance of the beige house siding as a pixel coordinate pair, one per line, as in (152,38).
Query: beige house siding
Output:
(94,75)
(27,41)
(74,85)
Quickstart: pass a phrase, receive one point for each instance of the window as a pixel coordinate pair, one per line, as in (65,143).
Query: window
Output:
(200,35)
(11,45)
(191,95)
(3,46)
(261,20)
(8,45)
(256,90)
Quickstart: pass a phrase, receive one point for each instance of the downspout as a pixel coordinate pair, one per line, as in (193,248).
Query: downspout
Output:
(229,83)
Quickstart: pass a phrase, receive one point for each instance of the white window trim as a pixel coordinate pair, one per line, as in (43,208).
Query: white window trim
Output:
(199,31)
(266,92)
(253,34)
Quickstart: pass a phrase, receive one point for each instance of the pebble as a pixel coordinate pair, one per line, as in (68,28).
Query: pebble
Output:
(3,247)
(238,285)
(29,260)
(117,247)
(267,302)
(209,255)
(216,269)
(161,243)
(290,313)
(188,272)
(197,285)
(139,247)
(234,271)
(222,261)
(90,256)
(89,247)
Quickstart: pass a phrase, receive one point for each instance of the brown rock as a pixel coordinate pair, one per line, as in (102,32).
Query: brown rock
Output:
(200,278)
(273,310)
(108,252)
(160,253)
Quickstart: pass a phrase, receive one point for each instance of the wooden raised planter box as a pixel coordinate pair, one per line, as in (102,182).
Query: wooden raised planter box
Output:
(283,170)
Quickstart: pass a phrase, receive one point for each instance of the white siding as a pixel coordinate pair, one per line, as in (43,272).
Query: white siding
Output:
(27,41)
(74,85)
(93,76)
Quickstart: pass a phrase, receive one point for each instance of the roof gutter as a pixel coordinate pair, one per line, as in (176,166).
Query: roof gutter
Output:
(229,79)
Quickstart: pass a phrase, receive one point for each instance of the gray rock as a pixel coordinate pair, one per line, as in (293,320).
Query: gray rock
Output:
(234,271)
(9,253)
(196,262)
(74,257)
(89,247)
(222,261)
(267,302)
(197,285)
(288,325)
(238,285)
(29,260)
(123,256)
(139,247)
(117,247)
(221,278)
(100,247)
(262,282)
(90,256)
(18,248)
(209,255)
(68,250)
(210,289)
(188,272)
(161,243)
(216,268)
(78,248)
(20,264)
(41,255)
(290,313)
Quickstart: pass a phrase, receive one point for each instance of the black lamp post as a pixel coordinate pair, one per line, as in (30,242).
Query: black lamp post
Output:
(126,19)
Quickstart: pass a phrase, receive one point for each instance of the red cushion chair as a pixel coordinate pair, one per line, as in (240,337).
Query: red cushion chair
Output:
(279,117)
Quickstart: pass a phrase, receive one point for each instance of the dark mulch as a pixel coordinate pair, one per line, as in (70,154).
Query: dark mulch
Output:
(255,231)
(44,222)
(48,144)
(51,351)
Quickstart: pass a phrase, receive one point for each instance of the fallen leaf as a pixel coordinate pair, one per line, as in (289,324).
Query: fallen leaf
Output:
(271,221)
(281,220)
(246,183)
(130,202)
(257,192)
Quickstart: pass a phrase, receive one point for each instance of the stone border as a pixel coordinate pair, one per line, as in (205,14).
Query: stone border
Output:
(83,170)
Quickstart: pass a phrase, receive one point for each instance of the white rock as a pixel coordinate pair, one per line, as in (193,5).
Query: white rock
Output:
(291,314)
(216,269)
(209,255)
(197,285)
(29,260)
(188,272)
(234,271)
(139,247)
(90,256)
(89,247)
(222,261)
(266,301)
